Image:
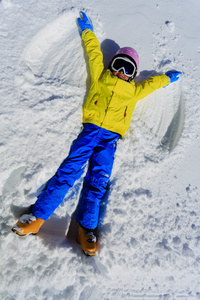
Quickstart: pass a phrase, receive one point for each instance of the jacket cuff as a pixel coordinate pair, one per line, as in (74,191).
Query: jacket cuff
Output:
(84,32)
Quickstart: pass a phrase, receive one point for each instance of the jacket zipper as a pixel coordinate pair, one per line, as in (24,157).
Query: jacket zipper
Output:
(107,108)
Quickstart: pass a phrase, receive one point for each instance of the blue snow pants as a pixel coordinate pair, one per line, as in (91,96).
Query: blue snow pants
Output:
(97,145)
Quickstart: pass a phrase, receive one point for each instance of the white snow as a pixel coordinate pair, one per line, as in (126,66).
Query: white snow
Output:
(150,230)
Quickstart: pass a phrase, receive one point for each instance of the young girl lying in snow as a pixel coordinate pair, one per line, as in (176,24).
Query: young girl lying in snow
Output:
(106,117)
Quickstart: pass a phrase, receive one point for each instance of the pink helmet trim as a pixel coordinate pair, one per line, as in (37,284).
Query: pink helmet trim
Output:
(132,53)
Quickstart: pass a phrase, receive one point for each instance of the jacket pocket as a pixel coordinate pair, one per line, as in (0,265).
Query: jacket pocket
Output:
(95,99)
(125,113)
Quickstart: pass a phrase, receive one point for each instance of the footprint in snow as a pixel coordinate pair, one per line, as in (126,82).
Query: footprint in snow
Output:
(170,25)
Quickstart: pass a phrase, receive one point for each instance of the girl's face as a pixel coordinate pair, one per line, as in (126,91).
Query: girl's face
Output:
(121,75)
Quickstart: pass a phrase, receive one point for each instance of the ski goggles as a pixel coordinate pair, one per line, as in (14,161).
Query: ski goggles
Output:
(123,63)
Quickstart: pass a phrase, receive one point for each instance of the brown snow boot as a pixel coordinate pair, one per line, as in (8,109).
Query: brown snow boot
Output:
(87,239)
(27,224)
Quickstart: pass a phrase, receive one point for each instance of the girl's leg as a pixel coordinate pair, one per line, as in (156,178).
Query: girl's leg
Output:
(69,171)
(99,172)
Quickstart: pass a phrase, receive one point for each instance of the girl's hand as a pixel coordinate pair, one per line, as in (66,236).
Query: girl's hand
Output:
(173,75)
(84,22)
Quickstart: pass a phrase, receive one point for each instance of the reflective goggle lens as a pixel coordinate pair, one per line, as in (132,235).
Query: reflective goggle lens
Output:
(124,64)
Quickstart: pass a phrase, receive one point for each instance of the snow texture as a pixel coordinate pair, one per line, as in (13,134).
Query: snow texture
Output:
(150,230)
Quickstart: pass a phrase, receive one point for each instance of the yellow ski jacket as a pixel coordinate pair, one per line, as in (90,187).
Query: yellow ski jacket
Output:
(111,101)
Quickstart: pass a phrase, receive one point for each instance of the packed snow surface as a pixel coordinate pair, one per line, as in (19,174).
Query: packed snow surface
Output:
(149,231)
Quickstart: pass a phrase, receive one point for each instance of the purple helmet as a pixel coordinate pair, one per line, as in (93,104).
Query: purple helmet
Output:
(130,54)
(128,51)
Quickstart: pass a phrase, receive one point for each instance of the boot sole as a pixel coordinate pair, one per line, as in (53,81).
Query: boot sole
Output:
(19,234)
(88,253)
